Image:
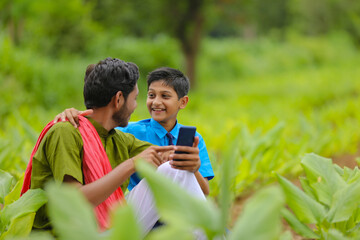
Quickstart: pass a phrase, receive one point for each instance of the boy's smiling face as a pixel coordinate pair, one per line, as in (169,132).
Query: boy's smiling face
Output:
(163,104)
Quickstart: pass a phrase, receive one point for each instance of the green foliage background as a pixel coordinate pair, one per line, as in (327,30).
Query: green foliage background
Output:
(275,80)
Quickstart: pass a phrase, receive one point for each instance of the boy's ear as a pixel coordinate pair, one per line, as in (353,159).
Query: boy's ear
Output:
(118,100)
(183,102)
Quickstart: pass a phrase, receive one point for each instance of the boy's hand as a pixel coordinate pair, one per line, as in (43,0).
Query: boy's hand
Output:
(190,161)
(72,115)
(153,155)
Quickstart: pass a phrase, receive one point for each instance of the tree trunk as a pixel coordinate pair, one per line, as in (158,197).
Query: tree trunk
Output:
(190,67)
(189,33)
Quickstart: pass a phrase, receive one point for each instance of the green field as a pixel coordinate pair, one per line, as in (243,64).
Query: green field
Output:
(263,103)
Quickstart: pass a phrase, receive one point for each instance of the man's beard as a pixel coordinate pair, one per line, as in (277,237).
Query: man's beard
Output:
(121,116)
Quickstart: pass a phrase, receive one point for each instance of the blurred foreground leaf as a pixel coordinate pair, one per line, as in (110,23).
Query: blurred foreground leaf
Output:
(125,225)
(5,184)
(177,207)
(260,219)
(71,214)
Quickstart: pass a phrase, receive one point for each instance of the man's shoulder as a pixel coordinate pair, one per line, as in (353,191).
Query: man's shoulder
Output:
(63,128)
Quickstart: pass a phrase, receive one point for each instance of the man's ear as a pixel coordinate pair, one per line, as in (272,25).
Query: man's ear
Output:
(119,100)
(183,102)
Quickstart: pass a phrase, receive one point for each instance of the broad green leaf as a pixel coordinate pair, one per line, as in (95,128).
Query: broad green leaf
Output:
(5,184)
(298,226)
(339,169)
(322,176)
(353,175)
(15,192)
(286,236)
(334,234)
(125,225)
(304,207)
(41,235)
(30,202)
(260,218)
(71,214)
(227,175)
(306,187)
(176,206)
(170,232)
(346,201)
(20,227)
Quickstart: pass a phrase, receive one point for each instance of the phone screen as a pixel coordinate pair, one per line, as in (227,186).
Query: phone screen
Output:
(186,137)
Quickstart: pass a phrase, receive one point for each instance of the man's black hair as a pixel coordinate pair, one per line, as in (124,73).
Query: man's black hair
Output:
(171,77)
(105,79)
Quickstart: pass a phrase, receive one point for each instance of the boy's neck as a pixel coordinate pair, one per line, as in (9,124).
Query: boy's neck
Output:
(169,125)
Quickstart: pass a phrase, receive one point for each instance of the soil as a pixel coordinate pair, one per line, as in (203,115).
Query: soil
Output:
(346,160)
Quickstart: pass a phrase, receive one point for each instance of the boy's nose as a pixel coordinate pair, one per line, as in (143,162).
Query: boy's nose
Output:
(156,101)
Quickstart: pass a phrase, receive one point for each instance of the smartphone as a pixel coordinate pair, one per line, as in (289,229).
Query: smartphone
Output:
(186,138)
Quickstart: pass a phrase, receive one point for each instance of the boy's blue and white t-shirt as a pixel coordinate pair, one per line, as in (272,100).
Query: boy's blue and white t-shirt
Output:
(151,131)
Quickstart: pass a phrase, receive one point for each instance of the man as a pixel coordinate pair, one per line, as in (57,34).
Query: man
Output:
(69,155)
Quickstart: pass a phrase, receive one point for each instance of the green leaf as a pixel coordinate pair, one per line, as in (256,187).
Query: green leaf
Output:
(30,202)
(306,186)
(304,207)
(334,234)
(176,206)
(261,216)
(169,232)
(322,176)
(286,236)
(5,184)
(298,226)
(125,225)
(227,175)
(71,214)
(15,192)
(20,227)
(346,201)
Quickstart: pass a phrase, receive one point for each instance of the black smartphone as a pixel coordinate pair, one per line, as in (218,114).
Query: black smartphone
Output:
(186,138)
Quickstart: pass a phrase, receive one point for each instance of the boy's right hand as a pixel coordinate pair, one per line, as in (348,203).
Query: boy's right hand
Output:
(72,115)
(153,155)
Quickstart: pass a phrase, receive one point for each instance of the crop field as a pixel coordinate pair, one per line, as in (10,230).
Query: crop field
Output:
(272,113)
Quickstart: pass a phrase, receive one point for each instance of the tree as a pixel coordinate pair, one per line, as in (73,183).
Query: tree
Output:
(183,20)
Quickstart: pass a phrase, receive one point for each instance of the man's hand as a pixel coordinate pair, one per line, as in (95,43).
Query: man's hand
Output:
(72,115)
(190,161)
(153,155)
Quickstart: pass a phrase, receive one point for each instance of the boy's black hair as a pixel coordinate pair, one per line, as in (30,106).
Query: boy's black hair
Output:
(105,79)
(171,77)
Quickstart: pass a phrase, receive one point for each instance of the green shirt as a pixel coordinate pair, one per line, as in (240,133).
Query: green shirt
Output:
(60,153)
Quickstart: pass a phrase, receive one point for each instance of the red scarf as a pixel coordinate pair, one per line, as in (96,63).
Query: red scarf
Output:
(95,165)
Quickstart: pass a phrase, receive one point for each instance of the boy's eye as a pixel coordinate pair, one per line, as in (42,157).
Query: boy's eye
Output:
(165,96)
(150,95)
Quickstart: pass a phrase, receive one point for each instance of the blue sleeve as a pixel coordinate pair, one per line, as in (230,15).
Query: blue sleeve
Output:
(205,168)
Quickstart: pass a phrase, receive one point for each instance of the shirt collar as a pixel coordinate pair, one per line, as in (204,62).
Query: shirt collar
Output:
(103,133)
(161,131)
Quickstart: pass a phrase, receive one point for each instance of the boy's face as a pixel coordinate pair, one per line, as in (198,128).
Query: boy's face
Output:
(163,103)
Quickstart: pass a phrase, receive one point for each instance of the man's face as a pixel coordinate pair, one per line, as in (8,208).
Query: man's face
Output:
(122,116)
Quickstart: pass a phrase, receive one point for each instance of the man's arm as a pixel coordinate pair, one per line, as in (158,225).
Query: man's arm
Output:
(99,190)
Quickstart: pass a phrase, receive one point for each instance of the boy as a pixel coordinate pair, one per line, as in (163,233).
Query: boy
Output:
(167,94)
